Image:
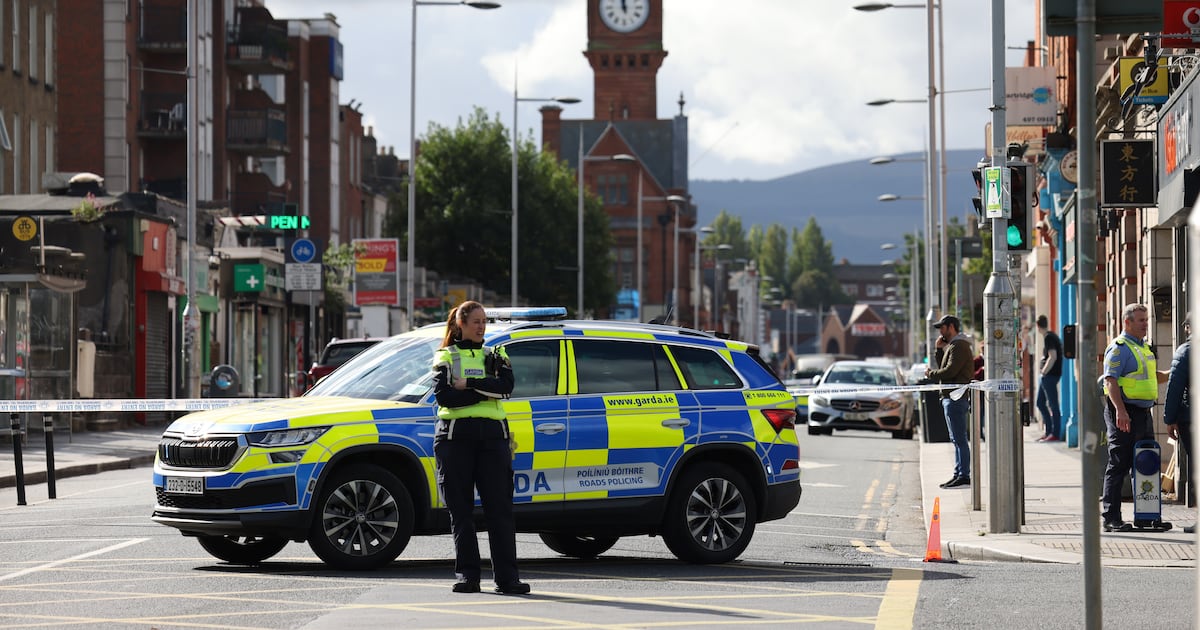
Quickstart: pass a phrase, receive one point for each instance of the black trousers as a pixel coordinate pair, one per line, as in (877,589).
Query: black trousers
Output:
(464,464)
(1120,453)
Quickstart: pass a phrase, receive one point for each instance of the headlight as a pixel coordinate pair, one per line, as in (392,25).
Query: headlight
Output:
(820,401)
(888,404)
(286,437)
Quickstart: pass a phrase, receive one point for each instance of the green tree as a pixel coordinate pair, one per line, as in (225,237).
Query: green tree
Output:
(728,230)
(773,257)
(810,269)
(463,221)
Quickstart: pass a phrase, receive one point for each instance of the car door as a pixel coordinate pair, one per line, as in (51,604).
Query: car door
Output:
(628,419)
(537,419)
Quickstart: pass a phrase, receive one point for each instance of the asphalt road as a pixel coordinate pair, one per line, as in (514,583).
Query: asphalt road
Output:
(847,557)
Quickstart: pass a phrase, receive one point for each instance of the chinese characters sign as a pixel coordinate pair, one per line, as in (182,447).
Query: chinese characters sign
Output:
(1127,174)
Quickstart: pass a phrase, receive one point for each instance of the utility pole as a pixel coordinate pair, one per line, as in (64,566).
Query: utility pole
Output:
(1090,426)
(999,323)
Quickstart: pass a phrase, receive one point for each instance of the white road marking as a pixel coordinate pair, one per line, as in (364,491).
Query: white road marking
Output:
(56,563)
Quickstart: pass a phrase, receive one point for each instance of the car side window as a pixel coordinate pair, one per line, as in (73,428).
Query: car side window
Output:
(622,366)
(535,368)
(705,369)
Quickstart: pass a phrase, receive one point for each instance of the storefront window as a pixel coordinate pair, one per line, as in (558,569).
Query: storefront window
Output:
(51,344)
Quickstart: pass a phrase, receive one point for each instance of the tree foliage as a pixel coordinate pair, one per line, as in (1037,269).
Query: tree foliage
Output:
(463,219)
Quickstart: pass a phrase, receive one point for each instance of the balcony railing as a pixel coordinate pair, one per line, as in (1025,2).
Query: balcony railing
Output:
(256,131)
(257,45)
(163,27)
(162,115)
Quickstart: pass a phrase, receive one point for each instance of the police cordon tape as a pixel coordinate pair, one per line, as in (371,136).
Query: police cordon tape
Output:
(81,405)
(957,390)
(204,404)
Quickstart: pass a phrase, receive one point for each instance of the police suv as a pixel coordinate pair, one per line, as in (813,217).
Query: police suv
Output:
(620,429)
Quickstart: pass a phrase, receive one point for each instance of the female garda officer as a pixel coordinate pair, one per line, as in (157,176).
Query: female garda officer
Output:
(471,445)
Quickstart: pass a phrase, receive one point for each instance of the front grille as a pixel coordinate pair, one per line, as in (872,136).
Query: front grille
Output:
(210,453)
(855,405)
(261,493)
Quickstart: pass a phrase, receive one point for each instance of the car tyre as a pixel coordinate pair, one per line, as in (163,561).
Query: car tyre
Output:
(242,549)
(362,520)
(814,430)
(710,517)
(579,546)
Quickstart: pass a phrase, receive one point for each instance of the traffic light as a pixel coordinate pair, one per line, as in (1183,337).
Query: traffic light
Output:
(977,200)
(1021,224)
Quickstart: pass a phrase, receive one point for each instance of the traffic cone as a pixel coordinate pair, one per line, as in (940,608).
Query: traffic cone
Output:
(933,550)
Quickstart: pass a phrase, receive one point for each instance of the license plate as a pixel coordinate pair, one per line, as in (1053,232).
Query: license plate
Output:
(856,415)
(185,485)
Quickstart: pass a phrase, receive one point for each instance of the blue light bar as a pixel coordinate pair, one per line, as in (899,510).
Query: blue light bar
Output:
(526,313)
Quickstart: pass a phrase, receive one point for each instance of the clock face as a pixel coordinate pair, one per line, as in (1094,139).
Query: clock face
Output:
(624,16)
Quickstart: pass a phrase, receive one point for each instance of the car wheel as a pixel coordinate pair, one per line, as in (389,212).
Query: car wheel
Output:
(710,516)
(242,549)
(363,519)
(814,430)
(579,546)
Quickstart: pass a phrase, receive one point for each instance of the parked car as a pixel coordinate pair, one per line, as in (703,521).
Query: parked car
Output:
(619,428)
(337,352)
(854,395)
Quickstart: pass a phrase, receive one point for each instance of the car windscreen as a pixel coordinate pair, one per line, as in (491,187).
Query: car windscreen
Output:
(860,375)
(397,369)
(338,354)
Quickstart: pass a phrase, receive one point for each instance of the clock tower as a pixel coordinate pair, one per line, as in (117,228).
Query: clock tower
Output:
(625,51)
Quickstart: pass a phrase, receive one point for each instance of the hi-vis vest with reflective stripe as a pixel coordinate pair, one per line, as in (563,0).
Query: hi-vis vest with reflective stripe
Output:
(467,363)
(1143,383)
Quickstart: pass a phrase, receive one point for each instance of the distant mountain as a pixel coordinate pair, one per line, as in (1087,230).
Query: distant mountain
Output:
(844,199)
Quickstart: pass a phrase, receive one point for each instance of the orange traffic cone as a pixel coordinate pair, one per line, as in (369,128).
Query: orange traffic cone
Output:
(933,550)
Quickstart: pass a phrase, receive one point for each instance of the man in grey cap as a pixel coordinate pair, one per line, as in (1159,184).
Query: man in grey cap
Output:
(955,365)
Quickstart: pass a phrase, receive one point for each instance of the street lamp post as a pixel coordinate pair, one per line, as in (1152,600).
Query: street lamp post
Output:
(699,294)
(675,201)
(410,266)
(584,159)
(931,277)
(566,100)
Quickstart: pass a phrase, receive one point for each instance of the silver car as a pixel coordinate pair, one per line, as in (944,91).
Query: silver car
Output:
(855,395)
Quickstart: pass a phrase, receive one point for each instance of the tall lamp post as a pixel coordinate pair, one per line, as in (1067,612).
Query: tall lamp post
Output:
(566,100)
(706,230)
(676,202)
(584,159)
(410,267)
(930,278)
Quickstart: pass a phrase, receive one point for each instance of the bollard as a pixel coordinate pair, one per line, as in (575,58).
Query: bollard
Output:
(17,459)
(48,429)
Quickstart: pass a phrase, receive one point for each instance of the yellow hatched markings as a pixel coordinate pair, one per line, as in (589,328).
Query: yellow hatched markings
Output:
(886,499)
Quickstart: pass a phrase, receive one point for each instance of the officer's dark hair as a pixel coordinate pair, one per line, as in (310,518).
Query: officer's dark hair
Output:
(454,321)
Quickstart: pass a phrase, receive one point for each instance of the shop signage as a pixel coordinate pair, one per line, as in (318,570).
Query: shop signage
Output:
(1152,92)
(24,228)
(1182,19)
(1127,174)
(376,271)
(249,278)
(1030,97)
(868,330)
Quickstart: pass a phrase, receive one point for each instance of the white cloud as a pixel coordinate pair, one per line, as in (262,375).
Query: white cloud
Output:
(772,86)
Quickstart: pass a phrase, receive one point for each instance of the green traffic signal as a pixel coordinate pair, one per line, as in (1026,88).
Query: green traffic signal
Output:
(1015,238)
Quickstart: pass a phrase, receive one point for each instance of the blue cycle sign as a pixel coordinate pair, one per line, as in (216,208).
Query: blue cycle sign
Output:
(303,250)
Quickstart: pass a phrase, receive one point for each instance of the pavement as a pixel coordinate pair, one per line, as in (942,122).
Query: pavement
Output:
(1052,530)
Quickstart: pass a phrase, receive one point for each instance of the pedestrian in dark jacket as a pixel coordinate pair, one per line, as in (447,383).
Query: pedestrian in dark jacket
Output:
(1176,407)
(955,363)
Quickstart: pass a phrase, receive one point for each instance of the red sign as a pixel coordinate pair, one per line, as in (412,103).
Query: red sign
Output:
(868,330)
(1181,17)
(376,276)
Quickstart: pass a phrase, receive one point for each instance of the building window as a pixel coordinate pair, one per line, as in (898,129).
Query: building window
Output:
(874,290)
(850,289)
(49,50)
(16,38)
(34,143)
(33,44)
(17,156)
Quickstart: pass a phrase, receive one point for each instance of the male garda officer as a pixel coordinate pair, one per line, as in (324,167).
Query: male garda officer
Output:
(1131,381)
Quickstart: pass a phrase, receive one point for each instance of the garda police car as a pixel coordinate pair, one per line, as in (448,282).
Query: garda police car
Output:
(620,429)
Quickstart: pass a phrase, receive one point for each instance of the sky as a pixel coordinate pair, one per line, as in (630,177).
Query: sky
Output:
(772,87)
